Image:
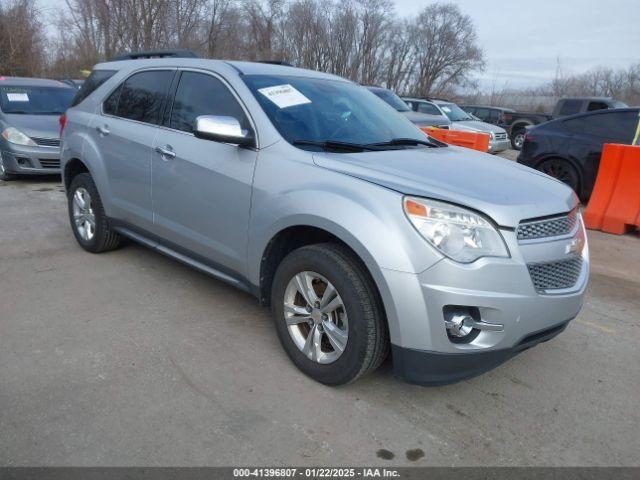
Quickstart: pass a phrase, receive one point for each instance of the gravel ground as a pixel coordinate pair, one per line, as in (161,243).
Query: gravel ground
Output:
(129,358)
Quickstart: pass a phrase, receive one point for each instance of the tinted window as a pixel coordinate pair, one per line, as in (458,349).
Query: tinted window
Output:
(392,99)
(569,107)
(481,113)
(328,110)
(494,116)
(97,78)
(201,94)
(597,106)
(35,100)
(143,95)
(110,106)
(428,108)
(615,125)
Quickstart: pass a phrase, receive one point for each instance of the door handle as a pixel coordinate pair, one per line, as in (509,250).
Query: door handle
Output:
(103,130)
(166,152)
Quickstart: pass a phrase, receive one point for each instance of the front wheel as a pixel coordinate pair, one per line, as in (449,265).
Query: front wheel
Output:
(4,175)
(328,314)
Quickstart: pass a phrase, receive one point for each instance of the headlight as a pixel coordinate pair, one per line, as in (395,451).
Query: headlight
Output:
(460,234)
(492,135)
(13,135)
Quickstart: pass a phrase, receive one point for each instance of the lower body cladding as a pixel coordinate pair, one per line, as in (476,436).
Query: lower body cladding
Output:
(31,161)
(455,321)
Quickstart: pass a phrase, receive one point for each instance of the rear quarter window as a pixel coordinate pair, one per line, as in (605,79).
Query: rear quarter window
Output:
(92,83)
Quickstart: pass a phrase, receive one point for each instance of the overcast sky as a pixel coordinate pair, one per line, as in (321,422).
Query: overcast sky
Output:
(523,40)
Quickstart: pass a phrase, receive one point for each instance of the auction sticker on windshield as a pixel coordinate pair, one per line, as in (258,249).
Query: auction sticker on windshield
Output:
(284,96)
(17,97)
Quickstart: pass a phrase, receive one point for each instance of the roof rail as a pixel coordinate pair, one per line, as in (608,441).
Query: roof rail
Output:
(155,54)
(276,62)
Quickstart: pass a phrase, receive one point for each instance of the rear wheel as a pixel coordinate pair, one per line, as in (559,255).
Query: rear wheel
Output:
(563,171)
(328,314)
(517,139)
(88,220)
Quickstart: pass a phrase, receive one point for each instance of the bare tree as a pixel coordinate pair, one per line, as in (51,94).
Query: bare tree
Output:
(446,49)
(21,39)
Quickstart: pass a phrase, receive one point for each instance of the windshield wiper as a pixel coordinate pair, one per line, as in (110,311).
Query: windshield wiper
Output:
(335,145)
(399,142)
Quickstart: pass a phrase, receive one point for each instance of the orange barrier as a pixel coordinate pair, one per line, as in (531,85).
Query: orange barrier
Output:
(614,206)
(476,141)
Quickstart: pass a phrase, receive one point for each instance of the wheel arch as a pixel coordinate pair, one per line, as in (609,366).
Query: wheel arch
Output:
(520,124)
(73,167)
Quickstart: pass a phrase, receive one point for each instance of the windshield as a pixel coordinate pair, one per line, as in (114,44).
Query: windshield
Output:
(392,99)
(35,100)
(454,112)
(319,110)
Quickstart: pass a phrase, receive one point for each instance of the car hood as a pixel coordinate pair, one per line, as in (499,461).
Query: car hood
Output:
(504,190)
(423,119)
(39,126)
(476,126)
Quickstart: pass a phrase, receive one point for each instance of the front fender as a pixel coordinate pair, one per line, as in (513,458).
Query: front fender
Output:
(366,217)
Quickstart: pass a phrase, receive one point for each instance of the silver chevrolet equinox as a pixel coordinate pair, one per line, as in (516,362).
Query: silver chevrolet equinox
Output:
(362,234)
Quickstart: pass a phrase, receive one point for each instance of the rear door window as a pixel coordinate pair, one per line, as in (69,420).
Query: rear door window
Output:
(143,95)
(92,83)
(201,94)
(570,107)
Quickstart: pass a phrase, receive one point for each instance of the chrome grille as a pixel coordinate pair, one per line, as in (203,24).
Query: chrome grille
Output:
(549,227)
(555,275)
(49,163)
(47,142)
(500,136)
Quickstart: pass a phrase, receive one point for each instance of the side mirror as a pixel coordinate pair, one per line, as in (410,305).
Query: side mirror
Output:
(223,129)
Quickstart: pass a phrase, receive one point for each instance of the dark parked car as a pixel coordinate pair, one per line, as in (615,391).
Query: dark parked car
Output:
(516,123)
(569,148)
(420,119)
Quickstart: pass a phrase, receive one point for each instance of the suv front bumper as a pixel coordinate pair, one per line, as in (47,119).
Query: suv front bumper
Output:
(501,289)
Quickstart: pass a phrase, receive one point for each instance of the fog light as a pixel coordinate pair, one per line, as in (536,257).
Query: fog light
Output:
(459,326)
(464,323)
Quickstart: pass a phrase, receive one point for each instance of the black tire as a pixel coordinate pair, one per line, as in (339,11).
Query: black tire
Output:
(563,170)
(517,138)
(4,175)
(104,239)
(368,337)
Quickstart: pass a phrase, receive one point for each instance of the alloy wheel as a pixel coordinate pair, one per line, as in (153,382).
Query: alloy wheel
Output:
(562,171)
(316,317)
(83,216)
(518,140)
